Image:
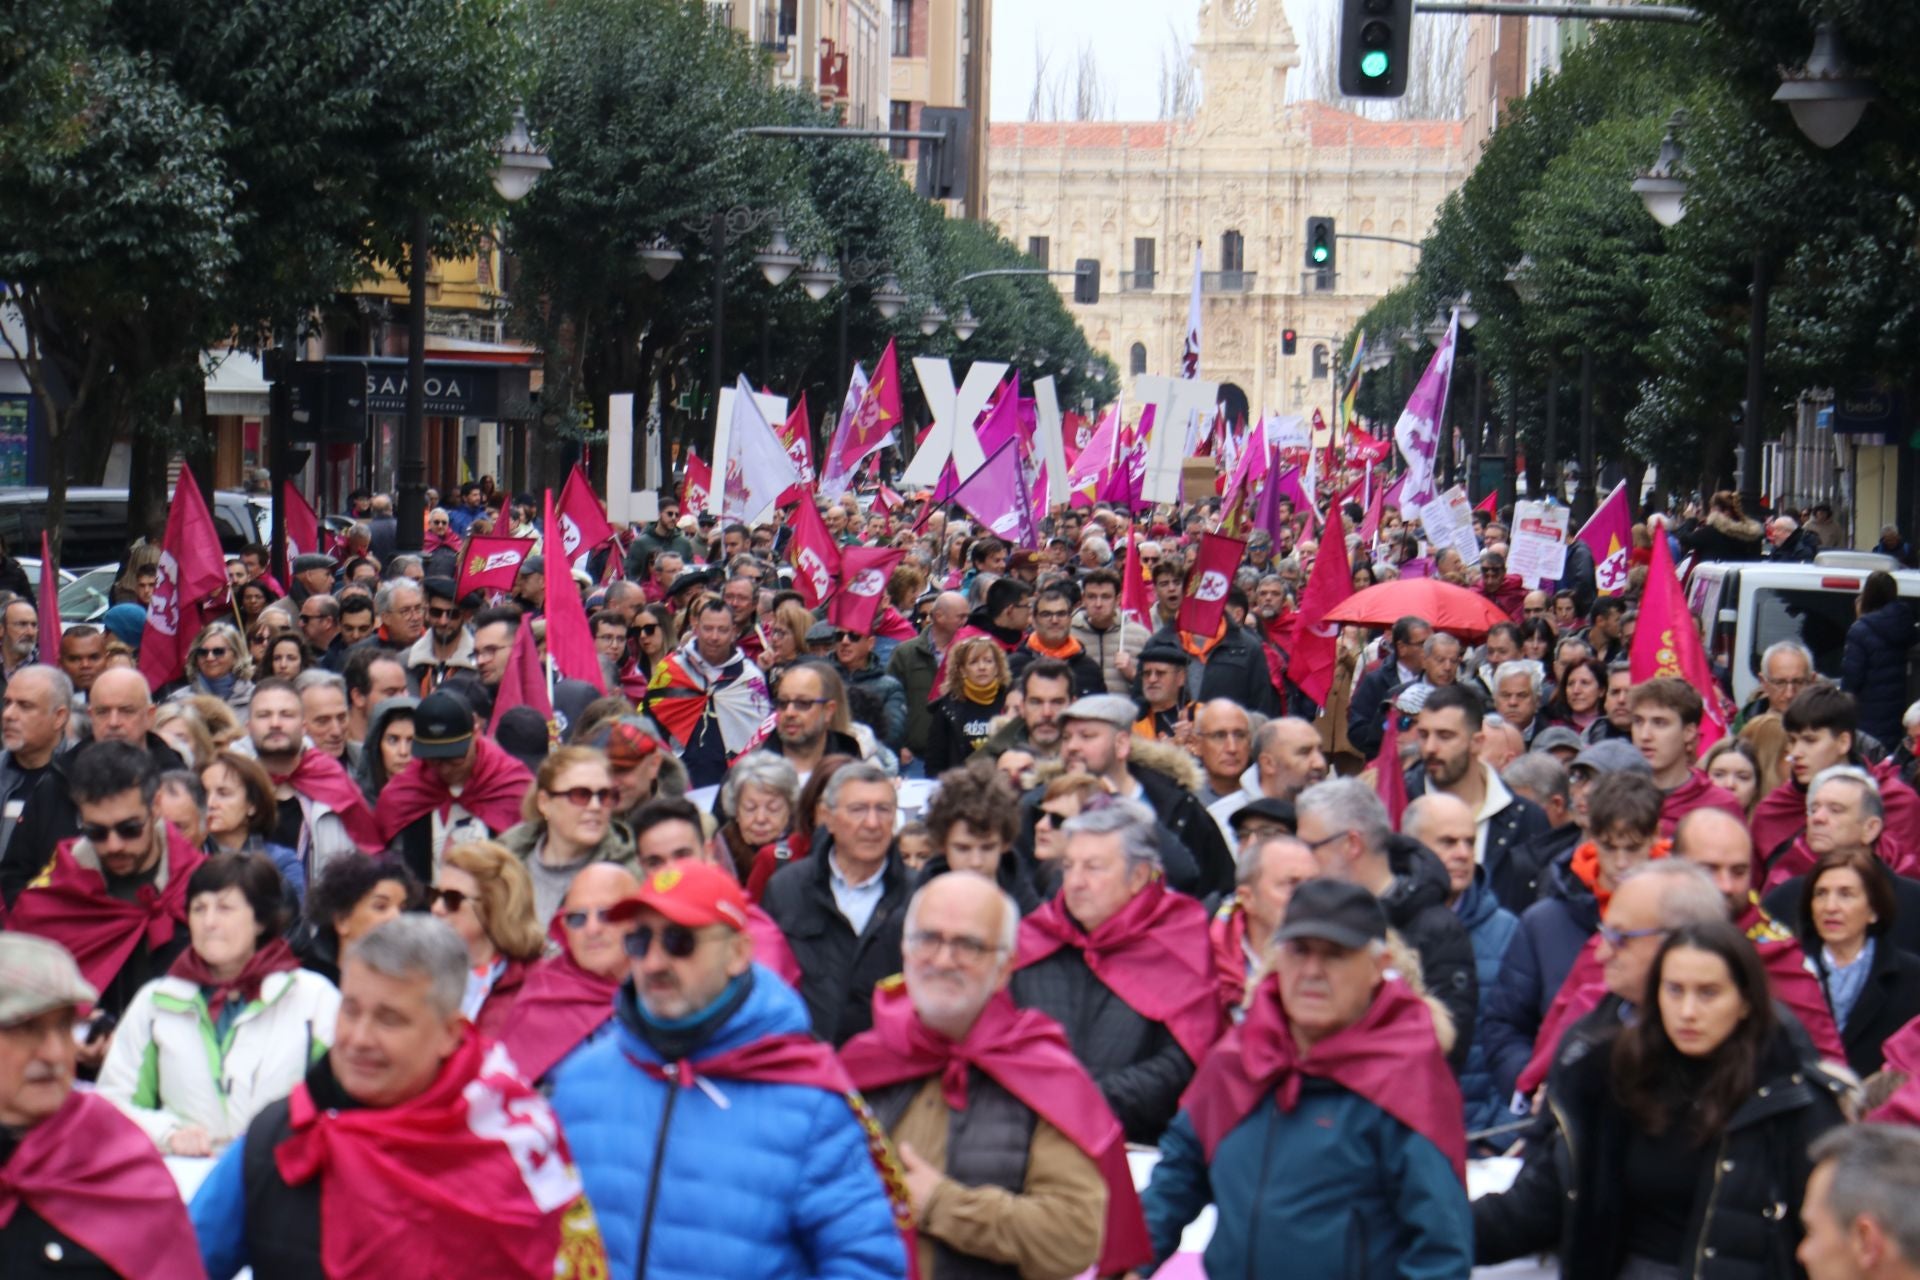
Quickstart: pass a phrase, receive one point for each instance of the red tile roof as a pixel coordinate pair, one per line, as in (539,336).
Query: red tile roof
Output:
(1097,135)
(1326,126)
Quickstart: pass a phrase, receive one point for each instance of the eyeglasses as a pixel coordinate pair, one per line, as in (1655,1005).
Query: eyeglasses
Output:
(221,652)
(799,704)
(435,613)
(922,945)
(1805,682)
(581,797)
(578,919)
(1226,735)
(313,617)
(451,899)
(126,829)
(1325,840)
(1053,615)
(648,628)
(847,637)
(676,940)
(1615,938)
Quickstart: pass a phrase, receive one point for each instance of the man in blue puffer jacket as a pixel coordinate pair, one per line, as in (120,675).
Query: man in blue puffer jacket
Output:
(715,1135)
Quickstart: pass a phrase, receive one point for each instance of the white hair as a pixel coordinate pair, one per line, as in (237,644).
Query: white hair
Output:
(1794,647)
(1871,805)
(1528,667)
(1128,819)
(418,946)
(1348,804)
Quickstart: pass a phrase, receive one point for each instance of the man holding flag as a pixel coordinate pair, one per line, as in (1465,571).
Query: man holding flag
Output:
(1225,660)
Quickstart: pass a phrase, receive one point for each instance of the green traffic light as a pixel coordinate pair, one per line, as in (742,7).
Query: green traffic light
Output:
(1373,64)
(1319,253)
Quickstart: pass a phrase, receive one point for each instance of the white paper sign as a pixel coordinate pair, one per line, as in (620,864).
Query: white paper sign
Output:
(1448,522)
(1538,551)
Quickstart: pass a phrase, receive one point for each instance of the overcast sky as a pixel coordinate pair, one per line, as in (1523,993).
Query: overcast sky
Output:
(1127,36)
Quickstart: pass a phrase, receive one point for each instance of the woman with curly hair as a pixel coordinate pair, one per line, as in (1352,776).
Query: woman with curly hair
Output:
(975,694)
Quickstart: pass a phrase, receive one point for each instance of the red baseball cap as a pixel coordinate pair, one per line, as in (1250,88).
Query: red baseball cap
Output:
(691,893)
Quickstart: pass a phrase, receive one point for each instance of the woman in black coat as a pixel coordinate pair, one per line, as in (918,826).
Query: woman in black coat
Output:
(975,695)
(1726,533)
(1846,913)
(1680,1147)
(1873,667)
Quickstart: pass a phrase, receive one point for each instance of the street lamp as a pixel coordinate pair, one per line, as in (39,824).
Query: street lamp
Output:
(778,260)
(964,325)
(819,277)
(1663,188)
(931,319)
(659,257)
(1469,317)
(520,162)
(890,299)
(1826,96)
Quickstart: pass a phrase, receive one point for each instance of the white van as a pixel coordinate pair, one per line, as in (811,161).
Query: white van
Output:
(1743,606)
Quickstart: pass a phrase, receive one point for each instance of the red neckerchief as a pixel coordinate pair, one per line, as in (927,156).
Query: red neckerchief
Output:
(1026,1053)
(274,957)
(320,778)
(1391,1057)
(1227,932)
(493,793)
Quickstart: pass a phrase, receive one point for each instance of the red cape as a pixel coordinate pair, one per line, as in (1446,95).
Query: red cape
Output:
(1154,954)
(560,1005)
(1697,792)
(454,1157)
(1780,815)
(1391,1057)
(770,946)
(1900,801)
(1025,1052)
(1584,988)
(1798,860)
(319,777)
(96,1178)
(493,793)
(70,904)
(1902,1054)
(1227,935)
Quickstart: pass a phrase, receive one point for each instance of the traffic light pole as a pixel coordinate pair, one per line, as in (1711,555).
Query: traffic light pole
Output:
(1414,245)
(1612,13)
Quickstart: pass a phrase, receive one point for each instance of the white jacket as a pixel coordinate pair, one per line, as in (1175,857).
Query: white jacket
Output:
(165,1069)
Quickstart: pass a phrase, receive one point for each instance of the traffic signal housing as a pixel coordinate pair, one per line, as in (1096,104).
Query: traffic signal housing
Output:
(942,174)
(1086,280)
(1373,47)
(1321,244)
(1289,342)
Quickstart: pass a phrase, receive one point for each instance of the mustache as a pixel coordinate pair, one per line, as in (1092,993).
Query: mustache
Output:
(47,1073)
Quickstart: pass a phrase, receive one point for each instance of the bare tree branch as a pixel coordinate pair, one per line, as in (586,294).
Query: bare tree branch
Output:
(1179,90)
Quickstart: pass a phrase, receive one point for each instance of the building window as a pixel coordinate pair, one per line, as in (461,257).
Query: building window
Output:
(900,118)
(1233,253)
(1038,248)
(1320,365)
(903,28)
(1137,359)
(1143,262)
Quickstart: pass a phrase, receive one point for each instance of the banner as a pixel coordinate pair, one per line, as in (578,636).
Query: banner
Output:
(815,555)
(797,436)
(1136,588)
(1666,640)
(1447,521)
(836,479)
(758,469)
(1608,533)
(583,521)
(863,590)
(191,568)
(1418,432)
(1316,642)
(996,496)
(570,645)
(698,488)
(1207,584)
(303,524)
(492,563)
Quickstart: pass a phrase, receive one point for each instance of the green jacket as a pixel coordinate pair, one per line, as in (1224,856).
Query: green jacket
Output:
(914,664)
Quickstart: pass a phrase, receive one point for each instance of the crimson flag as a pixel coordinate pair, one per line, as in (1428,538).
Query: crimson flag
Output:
(1666,640)
(795,434)
(492,563)
(49,603)
(879,411)
(569,638)
(1490,503)
(191,569)
(583,521)
(816,556)
(1136,588)
(303,523)
(863,588)
(1388,778)
(699,484)
(1207,584)
(1316,641)
(524,682)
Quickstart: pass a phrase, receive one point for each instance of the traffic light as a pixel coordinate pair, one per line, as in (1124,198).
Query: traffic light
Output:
(942,173)
(1289,342)
(1373,47)
(1086,280)
(1320,244)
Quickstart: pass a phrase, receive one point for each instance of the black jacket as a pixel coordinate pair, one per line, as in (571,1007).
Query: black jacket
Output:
(1088,679)
(1889,1001)
(51,816)
(959,727)
(1873,667)
(1011,875)
(1721,537)
(29,1244)
(1745,1221)
(1193,829)
(1137,1063)
(1511,835)
(1539,956)
(1366,711)
(1416,905)
(838,969)
(1800,547)
(1542,852)
(1783,903)
(1235,669)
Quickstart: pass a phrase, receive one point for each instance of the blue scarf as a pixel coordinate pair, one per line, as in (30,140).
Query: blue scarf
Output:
(1845,982)
(220,687)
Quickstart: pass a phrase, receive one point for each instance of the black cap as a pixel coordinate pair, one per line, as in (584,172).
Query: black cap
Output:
(441,589)
(310,563)
(442,727)
(1333,910)
(1280,811)
(522,733)
(1166,652)
(688,578)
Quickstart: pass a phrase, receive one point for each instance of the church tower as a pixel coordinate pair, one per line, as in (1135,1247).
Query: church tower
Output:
(1242,54)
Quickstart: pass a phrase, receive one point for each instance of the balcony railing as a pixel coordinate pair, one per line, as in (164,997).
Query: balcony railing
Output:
(1226,282)
(1137,281)
(777,24)
(720,14)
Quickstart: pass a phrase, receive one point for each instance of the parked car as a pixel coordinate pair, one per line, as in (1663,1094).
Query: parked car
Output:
(85,598)
(96,524)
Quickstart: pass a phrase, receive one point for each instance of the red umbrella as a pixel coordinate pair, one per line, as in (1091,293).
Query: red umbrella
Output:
(1457,611)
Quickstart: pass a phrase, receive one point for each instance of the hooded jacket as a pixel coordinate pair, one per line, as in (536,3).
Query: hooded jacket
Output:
(1722,537)
(1491,928)
(1416,907)
(1105,646)
(370,775)
(1873,667)
(1546,940)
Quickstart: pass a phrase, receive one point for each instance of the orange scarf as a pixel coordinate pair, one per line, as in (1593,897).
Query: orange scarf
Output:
(1198,647)
(1065,652)
(1586,865)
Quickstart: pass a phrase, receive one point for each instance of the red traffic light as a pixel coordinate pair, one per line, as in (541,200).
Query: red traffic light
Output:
(1289,340)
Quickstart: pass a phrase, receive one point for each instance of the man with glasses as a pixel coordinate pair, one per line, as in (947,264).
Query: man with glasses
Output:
(853,659)
(1053,638)
(667,832)
(1223,737)
(402,609)
(1006,1170)
(841,908)
(447,646)
(494,631)
(566,1002)
(1786,672)
(713,1137)
(320,628)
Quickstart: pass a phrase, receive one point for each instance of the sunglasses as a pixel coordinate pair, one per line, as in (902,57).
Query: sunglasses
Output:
(578,919)
(1049,819)
(799,704)
(222,652)
(581,797)
(439,613)
(844,637)
(452,899)
(126,829)
(676,940)
(648,629)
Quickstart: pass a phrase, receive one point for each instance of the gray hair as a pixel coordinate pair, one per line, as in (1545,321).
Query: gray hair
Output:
(1911,717)
(1348,804)
(1687,898)
(1528,667)
(315,678)
(761,769)
(1440,638)
(418,946)
(398,566)
(1413,822)
(1793,647)
(1540,775)
(383,599)
(1246,863)
(1101,548)
(1132,821)
(1009,909)
(1871,805)
(858,771)
(57,681)
(1876,1174)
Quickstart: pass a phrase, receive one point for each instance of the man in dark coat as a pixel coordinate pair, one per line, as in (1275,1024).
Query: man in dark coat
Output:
(1345,823)
(843,907)
(1366,711)
(1232,665)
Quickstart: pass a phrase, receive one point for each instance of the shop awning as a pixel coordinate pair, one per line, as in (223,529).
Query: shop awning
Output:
(236,387)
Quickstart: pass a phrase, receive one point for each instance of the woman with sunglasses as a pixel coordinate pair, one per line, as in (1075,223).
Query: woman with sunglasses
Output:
(1681,1148)
(484,893)
(653,628)
(567,822)
(218,666)
(975,694)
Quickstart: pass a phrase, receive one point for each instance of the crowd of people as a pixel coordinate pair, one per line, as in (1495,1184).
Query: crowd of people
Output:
(794,949)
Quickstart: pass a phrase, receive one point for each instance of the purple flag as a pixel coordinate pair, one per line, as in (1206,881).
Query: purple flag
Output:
(996,496)
(836,477)
(1608,533)
(1418,431)
(1001,423)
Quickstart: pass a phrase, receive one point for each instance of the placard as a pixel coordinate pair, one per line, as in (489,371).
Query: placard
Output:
(1538,552)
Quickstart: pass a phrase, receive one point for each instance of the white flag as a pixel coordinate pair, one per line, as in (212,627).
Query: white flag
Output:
(758,467)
